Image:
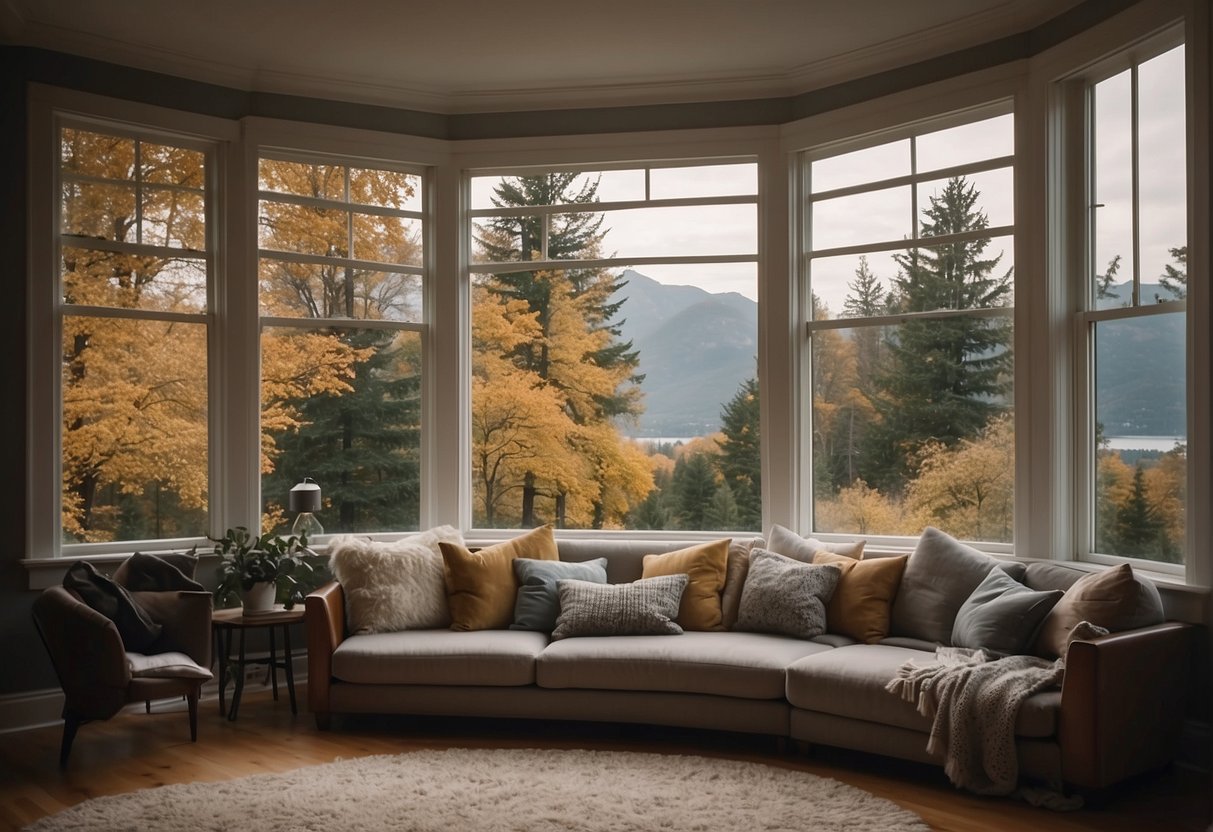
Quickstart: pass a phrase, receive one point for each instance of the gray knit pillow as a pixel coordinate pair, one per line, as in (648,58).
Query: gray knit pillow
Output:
(646,607)
(783,595)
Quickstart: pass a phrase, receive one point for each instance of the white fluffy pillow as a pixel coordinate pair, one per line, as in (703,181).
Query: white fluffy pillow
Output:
(393,586)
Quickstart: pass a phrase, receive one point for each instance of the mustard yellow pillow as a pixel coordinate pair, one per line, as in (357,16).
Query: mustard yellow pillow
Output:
(705,566)
(863,599)
(481,587)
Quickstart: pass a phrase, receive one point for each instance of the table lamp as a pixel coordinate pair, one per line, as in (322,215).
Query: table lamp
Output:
(305,500)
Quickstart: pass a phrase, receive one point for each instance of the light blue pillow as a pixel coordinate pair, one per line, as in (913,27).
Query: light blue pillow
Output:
(538,601)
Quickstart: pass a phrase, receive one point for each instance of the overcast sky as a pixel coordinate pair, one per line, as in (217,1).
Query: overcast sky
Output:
(886,215)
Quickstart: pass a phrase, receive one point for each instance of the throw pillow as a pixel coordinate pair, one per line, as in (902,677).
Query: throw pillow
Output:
(734,579)
(940,575)
(480,586)
(704,565)
(165,666)
(135,626)
(786,542)
(784,595)
(1105,599)
(861,604)
(1002,615)
(646,607)
(158,573)
(538,601)
(391,586)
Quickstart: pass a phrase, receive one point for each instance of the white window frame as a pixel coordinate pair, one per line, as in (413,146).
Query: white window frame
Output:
(648,150)
(50,110)
(859,128)
(1079,90)
(421,327)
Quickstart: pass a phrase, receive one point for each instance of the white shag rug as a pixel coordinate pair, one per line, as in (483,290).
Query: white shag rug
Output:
(466,790)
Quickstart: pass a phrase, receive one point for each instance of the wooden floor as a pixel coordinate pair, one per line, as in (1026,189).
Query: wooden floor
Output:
(138,751)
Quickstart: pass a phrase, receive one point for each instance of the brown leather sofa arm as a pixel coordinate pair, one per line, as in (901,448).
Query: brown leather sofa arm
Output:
(324,615)
(1123,702)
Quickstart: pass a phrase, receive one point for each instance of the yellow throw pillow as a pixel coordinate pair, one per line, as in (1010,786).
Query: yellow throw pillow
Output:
(860,605)
(481,587)
(705,566)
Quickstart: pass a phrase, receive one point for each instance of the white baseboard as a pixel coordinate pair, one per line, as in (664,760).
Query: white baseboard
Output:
(39,708)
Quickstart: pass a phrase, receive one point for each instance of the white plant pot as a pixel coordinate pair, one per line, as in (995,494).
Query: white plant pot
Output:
(260,598)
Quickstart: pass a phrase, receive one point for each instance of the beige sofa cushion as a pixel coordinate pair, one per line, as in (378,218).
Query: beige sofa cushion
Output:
(745,665)
(850,682)
(440,657)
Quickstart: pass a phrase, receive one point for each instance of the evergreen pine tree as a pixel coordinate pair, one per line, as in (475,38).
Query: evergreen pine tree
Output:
(1175,277)
(722,513)
(694,486)
(740,463)
(361,446)
(945,377)
(1138,529)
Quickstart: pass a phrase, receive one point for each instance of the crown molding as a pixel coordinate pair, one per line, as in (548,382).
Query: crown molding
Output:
(971,30)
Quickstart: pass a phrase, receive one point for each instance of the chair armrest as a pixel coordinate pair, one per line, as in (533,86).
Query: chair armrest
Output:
(324,616)
(1123,702)
(185,616)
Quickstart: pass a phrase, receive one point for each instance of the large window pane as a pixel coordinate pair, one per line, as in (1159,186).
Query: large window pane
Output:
(1141,437)
(343,407)
(134,424)
(616,397)
(912,423)
(912,427)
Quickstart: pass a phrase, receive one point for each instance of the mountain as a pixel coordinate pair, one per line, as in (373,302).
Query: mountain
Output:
(1139,370)
(696,348)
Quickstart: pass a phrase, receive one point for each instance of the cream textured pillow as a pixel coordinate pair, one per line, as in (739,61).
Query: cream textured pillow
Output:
(1105,599)
(789,544)
(705,567)
(861,604)
(481,587)
(393,586)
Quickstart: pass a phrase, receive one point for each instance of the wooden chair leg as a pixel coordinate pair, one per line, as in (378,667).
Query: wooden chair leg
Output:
(192,698)
(70,726)
(147,706)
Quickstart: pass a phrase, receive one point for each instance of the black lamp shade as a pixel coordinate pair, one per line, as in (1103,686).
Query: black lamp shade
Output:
(305,496)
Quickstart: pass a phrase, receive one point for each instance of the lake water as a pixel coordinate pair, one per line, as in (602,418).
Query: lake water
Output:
(1143,443)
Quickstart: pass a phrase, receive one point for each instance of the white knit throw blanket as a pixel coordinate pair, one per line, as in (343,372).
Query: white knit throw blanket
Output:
(974,702)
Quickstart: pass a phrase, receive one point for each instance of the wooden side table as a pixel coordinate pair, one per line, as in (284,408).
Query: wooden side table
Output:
(227,623)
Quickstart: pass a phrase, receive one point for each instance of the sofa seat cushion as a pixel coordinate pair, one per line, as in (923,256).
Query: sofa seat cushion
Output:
(850,681)
(440,657)
(745,665)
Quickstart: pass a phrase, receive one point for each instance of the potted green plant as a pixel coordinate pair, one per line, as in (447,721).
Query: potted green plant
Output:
(260,570)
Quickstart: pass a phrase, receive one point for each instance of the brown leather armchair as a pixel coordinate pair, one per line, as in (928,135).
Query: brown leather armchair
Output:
(92,664)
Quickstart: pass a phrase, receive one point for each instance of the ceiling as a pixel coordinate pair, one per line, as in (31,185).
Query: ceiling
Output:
(453,56)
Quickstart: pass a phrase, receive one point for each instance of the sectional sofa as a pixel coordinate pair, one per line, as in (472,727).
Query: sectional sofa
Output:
(1117,713)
